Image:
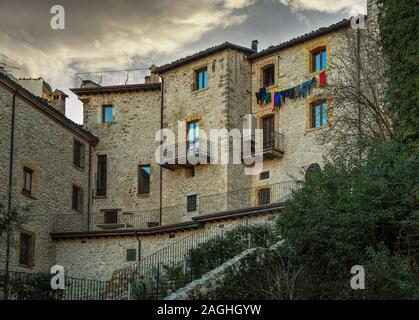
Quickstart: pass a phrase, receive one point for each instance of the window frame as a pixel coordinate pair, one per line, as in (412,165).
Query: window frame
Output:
(30,260)
(131,252)
(194,199)
(110,216)
(313,53)
(197,72)
(27,170)
(80,196)
(79,161)
(272,77)
(260,196)
(101,190)
(104,107)
(313,119)
(140,189)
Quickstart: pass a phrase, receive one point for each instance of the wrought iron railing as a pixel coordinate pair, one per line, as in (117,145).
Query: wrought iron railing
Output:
(248,198)
(189,152)
(274,140)
(112,77)
(152,269)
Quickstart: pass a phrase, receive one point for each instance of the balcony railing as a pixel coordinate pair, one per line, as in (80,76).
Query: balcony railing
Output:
(188,154)
(112,77)
(259,197)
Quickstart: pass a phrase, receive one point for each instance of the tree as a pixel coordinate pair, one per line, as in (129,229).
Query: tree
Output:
(354,91)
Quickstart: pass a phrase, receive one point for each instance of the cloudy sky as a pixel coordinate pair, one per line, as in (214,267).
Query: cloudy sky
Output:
(112,35)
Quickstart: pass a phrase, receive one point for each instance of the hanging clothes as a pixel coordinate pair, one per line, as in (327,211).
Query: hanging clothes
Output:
(291,93)
(277,100)
(267,97)
(298,92)
(258,99)
(273,101)
(322,78)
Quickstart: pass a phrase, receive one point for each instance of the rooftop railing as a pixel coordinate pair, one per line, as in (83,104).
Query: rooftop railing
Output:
(242,199)
(111,77)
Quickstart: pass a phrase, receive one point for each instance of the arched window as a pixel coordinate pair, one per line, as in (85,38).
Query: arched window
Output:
(312,168)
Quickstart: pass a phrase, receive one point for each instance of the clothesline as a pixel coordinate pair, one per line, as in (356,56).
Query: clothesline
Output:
(278,97)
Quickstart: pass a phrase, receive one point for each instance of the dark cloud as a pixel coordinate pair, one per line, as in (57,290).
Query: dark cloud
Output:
(110,34)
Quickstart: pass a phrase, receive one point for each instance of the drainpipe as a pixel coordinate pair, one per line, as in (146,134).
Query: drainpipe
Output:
(9,200)
(89,184)
(139,246)
(358,43)
(161,142)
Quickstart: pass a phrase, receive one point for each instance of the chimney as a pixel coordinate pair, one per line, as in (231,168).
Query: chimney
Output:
(255,45)
(58,100)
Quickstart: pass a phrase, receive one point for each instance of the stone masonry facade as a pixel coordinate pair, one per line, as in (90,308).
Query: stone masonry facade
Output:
(44,142)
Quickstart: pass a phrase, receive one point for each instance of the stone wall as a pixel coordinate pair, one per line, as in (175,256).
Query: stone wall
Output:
(99,257)
(45,146)
(128,141)
(220,106)
(204,287)
(302,147)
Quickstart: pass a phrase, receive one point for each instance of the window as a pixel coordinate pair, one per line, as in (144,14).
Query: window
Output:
(201,79)
(26,248)
(111,216)
(312,168)
(268,132)
(101,175)
(319,114)
(318,60)
(131,254)
(144,179)
(264,196)
(264,175)
(193,135)
(78,154)
(77,198)
(107,116)
(268,75)
(27,181)
(191,203)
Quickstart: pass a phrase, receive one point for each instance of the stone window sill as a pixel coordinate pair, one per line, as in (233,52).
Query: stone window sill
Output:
(27,195)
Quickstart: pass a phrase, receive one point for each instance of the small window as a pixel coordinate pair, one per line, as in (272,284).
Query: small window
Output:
(77,198)
(193,135)
(26,248)
(144,172)
(264,175)
(312,168)
(111,216)
(268,74)
(27,181)
(318,60)
(78,154)
(131,254)
(264,196)
(191,203)
(107,114)
(101,175)
(319,114)
(201,79)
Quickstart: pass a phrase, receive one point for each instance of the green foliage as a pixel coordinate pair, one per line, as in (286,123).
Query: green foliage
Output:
(198,261)
(400,42)
(346,208)
(212,253)
(13,220)
(36,286)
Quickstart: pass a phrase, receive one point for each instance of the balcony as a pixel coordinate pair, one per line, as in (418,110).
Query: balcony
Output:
(188,154)
(273,145)
(111,78)
(217,204)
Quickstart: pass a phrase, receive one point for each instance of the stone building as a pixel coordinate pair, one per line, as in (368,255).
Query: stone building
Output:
(45,164)
(133,206)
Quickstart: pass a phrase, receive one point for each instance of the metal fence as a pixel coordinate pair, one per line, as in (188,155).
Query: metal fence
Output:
(217,203)
(153,271)
(37,286)
(112,77)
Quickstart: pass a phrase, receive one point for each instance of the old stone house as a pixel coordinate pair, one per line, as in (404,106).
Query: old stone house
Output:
(131,206)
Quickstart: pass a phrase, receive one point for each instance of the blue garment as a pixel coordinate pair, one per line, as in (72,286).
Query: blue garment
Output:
(277,99)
